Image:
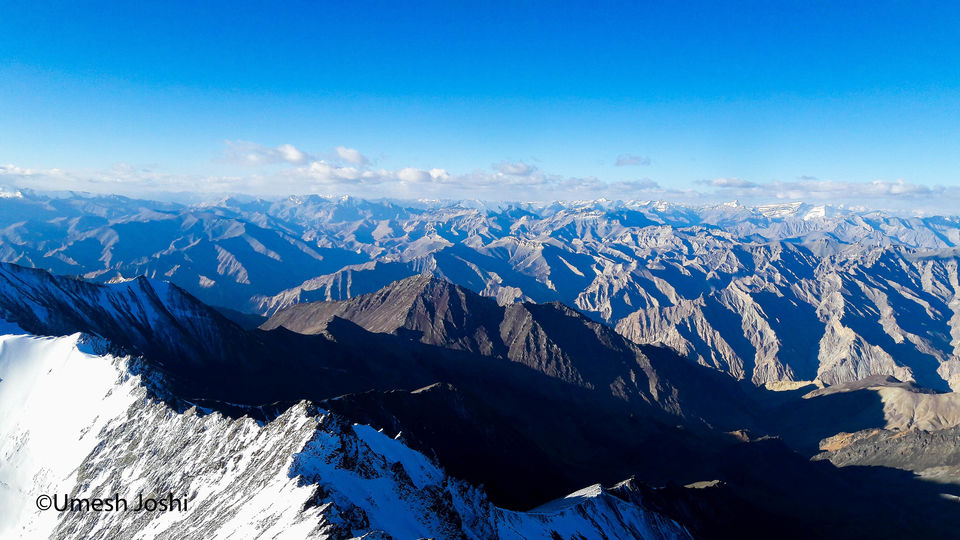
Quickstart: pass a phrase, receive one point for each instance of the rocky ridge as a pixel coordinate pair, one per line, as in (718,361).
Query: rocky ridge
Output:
(305,474)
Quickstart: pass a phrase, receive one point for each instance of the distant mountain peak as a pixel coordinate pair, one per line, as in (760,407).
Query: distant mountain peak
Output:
(438,310)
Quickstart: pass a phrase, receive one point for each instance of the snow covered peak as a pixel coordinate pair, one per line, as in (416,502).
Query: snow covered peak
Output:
(306,474)
(780,210)
(817,212)
(54,400)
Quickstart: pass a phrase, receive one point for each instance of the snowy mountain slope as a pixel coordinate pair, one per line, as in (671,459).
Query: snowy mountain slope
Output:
(305,474)
(51,396)
(771,294)
(139,313)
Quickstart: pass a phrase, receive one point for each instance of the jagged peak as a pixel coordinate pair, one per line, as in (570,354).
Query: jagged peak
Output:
(420,303)
(422,279)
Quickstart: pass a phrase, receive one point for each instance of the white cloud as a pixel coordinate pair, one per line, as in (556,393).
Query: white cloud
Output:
(256,155)
(349,172)
(351,155)
(291,154)
(409,174)
(625,160)
(518,168)
(122,179)
(320,176)
(879,194)
(253,154)
(727,183)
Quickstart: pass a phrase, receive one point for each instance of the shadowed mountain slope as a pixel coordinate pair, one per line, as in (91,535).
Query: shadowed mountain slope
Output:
(551,339)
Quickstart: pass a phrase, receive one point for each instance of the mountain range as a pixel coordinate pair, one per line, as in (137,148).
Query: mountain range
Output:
(464,370)
(771,295)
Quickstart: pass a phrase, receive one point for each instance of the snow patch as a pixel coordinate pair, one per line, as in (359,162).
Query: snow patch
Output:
(54,400)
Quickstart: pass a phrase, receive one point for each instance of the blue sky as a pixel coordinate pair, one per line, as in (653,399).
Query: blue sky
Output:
(769,100)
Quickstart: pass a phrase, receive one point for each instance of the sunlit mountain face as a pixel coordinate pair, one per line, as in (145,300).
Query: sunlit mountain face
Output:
(769,295)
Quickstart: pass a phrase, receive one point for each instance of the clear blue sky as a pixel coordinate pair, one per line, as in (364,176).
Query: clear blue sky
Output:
(759,92)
